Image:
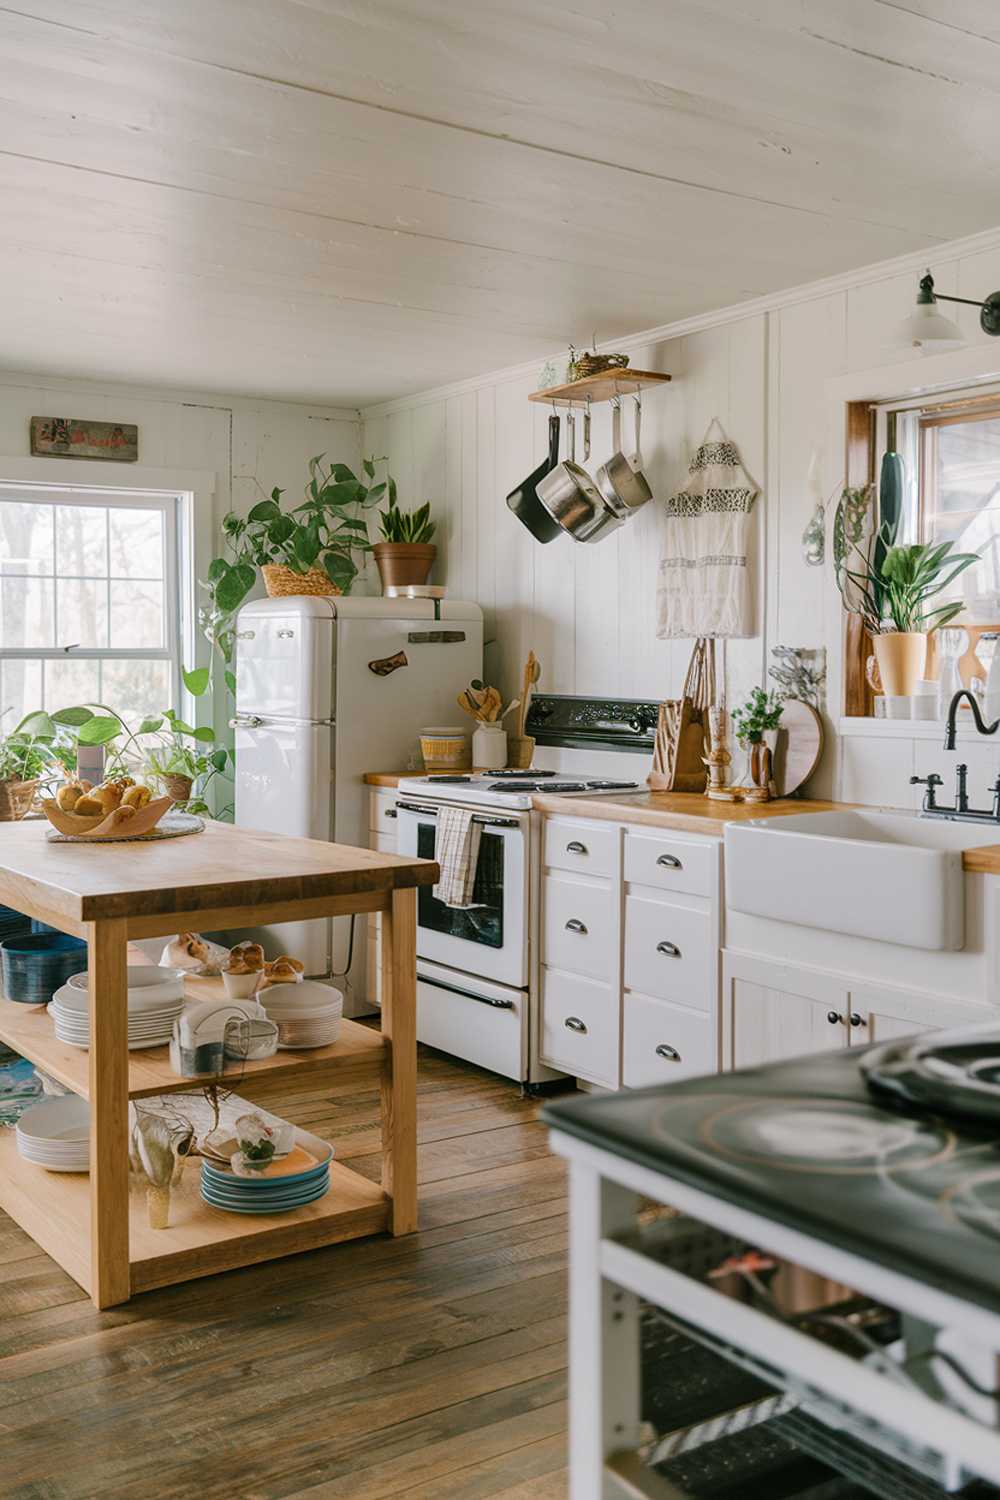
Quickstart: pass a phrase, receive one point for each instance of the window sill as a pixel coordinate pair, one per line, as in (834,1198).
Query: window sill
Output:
(900,729)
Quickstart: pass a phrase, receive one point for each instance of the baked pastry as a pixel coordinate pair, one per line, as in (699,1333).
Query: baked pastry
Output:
(69,795)
(185,949)
(246,958)
(89,806)
(136,797)
(284,970)
(121,815)
(108,794)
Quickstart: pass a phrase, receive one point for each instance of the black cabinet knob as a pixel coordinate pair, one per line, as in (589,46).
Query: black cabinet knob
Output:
(833,1017)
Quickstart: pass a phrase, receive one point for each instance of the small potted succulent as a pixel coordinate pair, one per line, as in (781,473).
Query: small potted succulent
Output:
(405,555)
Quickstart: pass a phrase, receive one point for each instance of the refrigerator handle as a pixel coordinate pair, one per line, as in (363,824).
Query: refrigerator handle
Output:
(245,721)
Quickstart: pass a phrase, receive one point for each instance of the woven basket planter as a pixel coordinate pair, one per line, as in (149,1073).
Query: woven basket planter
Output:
(281,581)
(16,798)
(177,786)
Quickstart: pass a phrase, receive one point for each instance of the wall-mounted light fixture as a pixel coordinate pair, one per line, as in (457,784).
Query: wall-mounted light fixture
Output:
(928,328)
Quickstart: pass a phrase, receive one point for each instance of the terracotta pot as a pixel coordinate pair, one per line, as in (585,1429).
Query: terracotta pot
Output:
(901,655)
(281,582)
(400,563)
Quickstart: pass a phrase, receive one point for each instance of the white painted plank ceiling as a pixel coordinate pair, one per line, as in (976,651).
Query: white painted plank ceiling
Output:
(335,201)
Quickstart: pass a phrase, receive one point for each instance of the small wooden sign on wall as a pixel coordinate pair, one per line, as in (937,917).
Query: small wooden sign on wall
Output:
(70,437)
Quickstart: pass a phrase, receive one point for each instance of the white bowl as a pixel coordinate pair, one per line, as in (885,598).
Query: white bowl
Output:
(64,1119)
(305,997)
(242,986)
(150,986)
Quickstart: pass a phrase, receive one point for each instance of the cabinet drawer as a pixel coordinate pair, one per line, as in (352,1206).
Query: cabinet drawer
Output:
(580,1027)
(663,1043)
(670,951)
(587,848)
(382,812)
(671,864)
(580,927)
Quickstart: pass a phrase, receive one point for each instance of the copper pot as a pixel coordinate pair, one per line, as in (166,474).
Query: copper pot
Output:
(401,563)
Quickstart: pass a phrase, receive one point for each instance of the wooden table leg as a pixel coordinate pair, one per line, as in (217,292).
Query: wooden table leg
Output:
(399,1079)
(109,1236)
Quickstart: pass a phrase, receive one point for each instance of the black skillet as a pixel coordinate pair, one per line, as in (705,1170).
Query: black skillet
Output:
(524,501)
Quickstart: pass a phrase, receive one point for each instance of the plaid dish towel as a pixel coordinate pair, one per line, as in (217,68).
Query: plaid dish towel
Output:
(456,849)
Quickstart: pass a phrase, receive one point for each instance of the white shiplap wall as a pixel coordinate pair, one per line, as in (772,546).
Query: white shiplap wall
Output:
(589,612)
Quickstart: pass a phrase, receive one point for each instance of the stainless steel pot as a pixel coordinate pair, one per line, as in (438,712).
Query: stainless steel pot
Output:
(573,500)
(620,479)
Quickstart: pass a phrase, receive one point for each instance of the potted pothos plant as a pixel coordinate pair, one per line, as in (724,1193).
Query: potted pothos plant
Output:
(310,548)
(894,589)
(33,752)
(405,555)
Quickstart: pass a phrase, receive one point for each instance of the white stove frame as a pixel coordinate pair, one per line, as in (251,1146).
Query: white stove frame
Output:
(608,1277)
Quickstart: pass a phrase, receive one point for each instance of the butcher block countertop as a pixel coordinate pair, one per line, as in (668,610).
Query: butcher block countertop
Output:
(689,813)
(221,867)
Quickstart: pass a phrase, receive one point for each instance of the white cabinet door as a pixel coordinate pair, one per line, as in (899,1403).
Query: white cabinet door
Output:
(769,1024)
(580,927)
(663,1043)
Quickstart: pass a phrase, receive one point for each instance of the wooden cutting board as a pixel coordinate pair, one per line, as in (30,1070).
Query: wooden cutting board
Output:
(800,745)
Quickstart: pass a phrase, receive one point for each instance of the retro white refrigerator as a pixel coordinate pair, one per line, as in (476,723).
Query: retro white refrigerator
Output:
(327,689)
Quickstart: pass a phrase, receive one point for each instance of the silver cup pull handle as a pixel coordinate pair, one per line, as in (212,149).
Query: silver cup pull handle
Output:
(669,861)
(575,925)
(670,1054)
(573,1023)
(671,950)
(575,847)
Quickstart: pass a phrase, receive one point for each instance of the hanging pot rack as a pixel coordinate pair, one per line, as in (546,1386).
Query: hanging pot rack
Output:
(604,386)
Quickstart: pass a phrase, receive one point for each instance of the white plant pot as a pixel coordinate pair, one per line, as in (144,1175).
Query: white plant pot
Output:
(489,747)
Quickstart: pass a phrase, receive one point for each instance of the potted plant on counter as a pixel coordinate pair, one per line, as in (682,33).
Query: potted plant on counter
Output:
(755,724)
(893,590)
(405,555)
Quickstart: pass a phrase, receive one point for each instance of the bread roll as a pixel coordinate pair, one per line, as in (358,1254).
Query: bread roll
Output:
(89,806)
(137,797)
(108,795)
(69,795)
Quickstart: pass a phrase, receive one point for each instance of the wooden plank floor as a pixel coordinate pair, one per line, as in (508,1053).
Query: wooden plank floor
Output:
(431,1366)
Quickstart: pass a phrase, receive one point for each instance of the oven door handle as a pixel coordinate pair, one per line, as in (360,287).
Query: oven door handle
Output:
(454,989)
(432,812)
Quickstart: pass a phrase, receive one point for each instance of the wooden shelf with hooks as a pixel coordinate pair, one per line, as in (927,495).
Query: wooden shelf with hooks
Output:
(600,387)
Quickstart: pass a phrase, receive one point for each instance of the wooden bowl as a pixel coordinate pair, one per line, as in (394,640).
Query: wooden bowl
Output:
(104,826)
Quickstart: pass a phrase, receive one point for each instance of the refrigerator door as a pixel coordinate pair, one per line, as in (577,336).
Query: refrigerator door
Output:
(285,658)
(284,783)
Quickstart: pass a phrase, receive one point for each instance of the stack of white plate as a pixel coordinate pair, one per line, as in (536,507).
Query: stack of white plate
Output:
(155,1000)
(56,1134)
(307,1014)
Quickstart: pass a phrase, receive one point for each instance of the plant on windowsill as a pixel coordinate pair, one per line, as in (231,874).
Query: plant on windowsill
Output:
(755,724)
(405,555)
(893,590)
(32,753)
(310,549)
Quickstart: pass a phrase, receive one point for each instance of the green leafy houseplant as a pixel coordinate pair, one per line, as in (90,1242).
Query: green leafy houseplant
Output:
(413,526)
(896,594)
(760,713)
(326,531)
(35,750)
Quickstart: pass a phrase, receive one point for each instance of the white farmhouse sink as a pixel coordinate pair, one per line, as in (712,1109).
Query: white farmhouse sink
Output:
(889,876)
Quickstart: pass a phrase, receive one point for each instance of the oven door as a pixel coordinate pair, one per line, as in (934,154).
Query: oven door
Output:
(491,937)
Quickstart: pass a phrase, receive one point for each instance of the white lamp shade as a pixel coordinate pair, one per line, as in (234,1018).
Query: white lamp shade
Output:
(926,327)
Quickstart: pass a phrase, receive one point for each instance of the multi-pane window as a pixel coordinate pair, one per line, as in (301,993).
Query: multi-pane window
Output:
(952,459)
(88,600)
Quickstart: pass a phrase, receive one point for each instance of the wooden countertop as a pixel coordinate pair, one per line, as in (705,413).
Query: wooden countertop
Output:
(221,867)
(685,811)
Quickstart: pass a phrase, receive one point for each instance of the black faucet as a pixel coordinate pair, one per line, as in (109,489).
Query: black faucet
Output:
(982,728)
(961,808)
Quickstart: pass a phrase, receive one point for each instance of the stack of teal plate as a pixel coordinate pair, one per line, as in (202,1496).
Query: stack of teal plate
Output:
(264,1195)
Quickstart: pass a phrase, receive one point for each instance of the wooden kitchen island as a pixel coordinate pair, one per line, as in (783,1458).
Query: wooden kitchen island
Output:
(225,877)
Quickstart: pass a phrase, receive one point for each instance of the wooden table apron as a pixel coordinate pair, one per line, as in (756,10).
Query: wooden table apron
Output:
(108,937)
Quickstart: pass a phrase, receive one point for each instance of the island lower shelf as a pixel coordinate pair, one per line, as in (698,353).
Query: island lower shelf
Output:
(54,1208)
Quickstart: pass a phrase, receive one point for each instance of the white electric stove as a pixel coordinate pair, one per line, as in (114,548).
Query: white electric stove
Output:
(515,789)
(478,967)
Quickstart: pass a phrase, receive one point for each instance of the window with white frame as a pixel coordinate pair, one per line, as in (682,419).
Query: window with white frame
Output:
(89,600)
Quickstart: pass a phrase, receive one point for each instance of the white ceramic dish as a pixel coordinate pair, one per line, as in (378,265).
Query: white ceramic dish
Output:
(150,987)
(307,995)
(62,1119)
(242,986)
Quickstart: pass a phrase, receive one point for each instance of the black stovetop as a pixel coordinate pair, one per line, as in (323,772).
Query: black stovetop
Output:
(806,1144)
